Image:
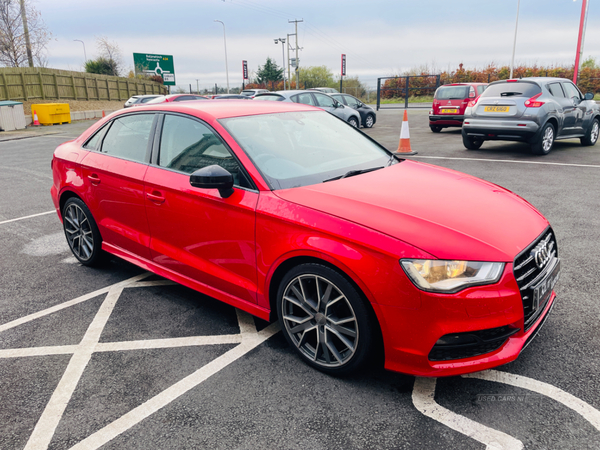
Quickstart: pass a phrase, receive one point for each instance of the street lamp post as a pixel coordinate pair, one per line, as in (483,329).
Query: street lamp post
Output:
(512,61)
(225,44)
(82,43)
(282,40)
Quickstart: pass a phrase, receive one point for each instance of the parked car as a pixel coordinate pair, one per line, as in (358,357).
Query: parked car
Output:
(138,100)
(231,97)
(315,98)
(253,92)
(533,110)
(450,102)
(176,98)
(368,116)
(285,212)
(327,90)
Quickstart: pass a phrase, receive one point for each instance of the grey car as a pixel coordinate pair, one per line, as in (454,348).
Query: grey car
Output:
(315,98)
(533,110)
(368,116)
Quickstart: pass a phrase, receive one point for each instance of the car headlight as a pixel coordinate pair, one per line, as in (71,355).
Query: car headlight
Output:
(450,276)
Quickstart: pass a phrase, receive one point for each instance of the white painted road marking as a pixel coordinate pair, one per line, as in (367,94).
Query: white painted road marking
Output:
(507,161)
(589,413)
(423,399)
(44,431)
(27,217)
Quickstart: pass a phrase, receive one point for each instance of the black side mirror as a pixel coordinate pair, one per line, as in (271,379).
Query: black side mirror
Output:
(213,177)
(589,96)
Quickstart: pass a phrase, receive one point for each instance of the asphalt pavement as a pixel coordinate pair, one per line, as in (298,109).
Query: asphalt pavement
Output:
(116,358)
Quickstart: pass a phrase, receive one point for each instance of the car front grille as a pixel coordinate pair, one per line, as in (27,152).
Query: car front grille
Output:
(528,271)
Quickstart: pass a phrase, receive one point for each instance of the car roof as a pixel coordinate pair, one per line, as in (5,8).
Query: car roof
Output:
(537,79)
(222,110)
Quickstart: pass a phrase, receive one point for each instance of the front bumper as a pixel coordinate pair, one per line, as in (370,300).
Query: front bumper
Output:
(500,306)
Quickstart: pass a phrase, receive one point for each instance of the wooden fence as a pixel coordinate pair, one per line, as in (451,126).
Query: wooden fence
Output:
(25,83)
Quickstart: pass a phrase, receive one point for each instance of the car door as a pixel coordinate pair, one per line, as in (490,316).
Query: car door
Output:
(565,108)
(195,232)
(114,181)
(578,105)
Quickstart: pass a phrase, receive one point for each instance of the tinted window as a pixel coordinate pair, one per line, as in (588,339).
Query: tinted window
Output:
(351,101)
(512,89)
(146,99)
(452,92)
(480,89)
(128,137)
(184,98)
(324,101)
(305,98)
(556,90)
(339,98)
(571,90)
(187,145)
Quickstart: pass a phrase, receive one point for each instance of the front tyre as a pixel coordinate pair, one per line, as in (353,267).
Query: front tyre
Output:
(591,137)
(324,318)
(545,142)
(82,232)
(369,121)
(353,121)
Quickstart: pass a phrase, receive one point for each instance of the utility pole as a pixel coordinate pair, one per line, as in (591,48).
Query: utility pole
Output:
(197,86)
(26,32)
(297,60)
(288,61)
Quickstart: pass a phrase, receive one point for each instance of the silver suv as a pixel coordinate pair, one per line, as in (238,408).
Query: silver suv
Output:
(533,110)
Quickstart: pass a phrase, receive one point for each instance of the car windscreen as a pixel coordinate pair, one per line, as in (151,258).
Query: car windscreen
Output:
(295,149)
(512,89)
(248,92)
(269,97)
(146,99)
(452,92)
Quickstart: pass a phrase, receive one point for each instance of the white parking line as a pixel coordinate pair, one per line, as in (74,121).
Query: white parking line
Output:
(42,435)
(508,161)
(27,217)
(423,399)
(589,413)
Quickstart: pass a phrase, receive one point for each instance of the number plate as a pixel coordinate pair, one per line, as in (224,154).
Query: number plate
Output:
(497,109)
(544,288)
(449,110)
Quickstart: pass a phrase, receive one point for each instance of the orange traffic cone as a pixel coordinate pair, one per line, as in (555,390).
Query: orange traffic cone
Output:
(103,114)
(404,145)
(36,122)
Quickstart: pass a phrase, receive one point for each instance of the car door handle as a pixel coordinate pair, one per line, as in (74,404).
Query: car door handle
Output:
(155,197)
(95,179)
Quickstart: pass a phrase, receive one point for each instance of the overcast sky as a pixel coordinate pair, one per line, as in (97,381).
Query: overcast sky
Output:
(379,37)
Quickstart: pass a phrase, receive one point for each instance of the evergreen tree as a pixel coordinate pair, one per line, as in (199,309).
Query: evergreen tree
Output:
(270,72)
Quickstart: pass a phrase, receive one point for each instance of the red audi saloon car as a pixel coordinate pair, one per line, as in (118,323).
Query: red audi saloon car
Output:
(286,212)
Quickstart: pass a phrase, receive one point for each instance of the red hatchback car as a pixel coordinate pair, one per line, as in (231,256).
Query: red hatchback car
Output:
(450,102)
(288,213)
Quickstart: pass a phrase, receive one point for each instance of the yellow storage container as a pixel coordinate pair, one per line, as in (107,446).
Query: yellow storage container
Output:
(51,113)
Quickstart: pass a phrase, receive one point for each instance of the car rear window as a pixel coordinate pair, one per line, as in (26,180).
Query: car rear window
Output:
(512,89)
(452,92)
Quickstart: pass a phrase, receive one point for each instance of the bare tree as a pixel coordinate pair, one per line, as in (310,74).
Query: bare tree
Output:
(13,48)
(111,52)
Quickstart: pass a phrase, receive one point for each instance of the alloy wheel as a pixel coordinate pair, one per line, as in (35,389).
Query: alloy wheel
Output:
(79,232)
(548,139)
(320,320)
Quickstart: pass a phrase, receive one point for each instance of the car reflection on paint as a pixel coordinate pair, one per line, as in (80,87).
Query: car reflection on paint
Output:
(288,213)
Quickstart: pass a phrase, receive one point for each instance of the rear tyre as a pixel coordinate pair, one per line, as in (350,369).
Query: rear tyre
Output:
(369,121)
(353,121)
(591,137)
(323,317)
(471,143)
(82,232)
(545,142)
(435,128)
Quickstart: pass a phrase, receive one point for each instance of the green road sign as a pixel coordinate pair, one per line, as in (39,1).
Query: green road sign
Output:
(155,65)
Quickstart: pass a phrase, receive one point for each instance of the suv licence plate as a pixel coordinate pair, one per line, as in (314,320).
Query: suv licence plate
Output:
(544,288)
(496,109)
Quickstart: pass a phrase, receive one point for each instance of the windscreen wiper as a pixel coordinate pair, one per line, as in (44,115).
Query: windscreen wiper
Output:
(351,173)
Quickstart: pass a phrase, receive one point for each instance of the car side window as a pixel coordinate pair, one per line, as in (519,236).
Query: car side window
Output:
(556,90)
(351,101)
(324,101)
(187,145)
(571,90)
(128,137)
(305,98)
(94,142)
